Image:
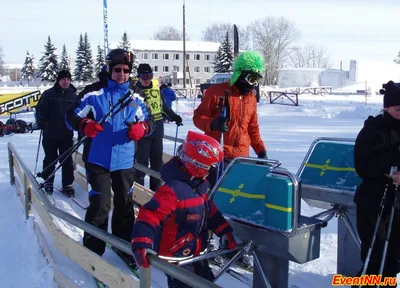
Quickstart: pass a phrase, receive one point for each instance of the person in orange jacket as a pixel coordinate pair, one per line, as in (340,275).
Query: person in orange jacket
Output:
(240,125)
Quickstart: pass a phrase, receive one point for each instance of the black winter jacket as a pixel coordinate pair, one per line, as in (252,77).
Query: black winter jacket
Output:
(51,109)
(377,148)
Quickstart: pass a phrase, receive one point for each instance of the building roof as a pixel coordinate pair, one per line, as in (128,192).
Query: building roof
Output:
(13,66)
(161,45)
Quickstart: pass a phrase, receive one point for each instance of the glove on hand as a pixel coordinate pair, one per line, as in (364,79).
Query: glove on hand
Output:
(90,127)
(227,241)
(138,130)
(178,120)
(140,257)
(219,124)
(262,155)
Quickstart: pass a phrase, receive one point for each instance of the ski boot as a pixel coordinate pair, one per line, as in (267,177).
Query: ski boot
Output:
(48,188)
(68,190)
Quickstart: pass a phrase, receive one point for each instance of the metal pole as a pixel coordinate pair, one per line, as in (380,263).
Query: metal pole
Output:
(11,166)
(261,270)
(145,277)
(184,46)
(27,197)
(105,19)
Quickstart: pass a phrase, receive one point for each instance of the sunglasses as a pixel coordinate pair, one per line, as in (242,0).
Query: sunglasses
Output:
(148,76)
(118,70)
(252,79)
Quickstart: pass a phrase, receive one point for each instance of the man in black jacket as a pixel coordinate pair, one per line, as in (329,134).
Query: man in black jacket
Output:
(57,138)
(150,149)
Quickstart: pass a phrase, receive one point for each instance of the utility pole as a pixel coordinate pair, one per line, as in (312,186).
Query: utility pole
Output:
(184,47)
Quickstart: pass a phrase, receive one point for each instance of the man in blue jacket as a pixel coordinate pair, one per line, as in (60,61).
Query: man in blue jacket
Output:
(109,151)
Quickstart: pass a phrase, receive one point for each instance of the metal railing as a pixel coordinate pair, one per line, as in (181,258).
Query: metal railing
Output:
(145,278)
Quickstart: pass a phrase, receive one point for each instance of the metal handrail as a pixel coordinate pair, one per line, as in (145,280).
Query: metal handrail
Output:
(170,269)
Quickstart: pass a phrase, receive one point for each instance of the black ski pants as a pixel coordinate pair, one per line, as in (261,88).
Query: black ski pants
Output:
(366,221)
(150,149)
(101,180)
(54,147)
(200,268)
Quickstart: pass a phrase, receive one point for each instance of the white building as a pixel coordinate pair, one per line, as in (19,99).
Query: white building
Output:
(166,57)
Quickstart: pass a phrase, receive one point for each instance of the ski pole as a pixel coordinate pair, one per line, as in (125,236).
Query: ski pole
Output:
(223,102)
(104,119)
(389,231)
(176,138)
(378,220)
(37,153)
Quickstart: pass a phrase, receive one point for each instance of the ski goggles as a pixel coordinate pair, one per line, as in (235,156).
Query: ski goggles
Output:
(124,57)
(252,78)
(146,76)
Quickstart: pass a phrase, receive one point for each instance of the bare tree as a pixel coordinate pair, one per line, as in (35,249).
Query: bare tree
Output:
(217,31)
(309,56)
(274,39)
(168,33)
(397,61)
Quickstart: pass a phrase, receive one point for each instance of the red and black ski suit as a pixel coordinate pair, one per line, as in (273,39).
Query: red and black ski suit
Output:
(175,222)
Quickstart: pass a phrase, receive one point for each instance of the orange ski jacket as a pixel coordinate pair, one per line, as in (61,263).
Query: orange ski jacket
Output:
(243,123)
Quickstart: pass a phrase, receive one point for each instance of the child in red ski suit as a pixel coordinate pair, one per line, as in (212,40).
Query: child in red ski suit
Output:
(175,222)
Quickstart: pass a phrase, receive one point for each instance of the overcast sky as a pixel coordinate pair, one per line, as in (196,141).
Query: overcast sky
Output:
(349,29)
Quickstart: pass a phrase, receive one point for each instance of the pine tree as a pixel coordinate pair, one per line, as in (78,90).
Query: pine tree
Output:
(87,71)
(64,63)
(397,61)
(226,55)
(2,70)
(125,43)
(100,61)
(135,64)
(48,68)
(79,62)
(217,61)
(28,69)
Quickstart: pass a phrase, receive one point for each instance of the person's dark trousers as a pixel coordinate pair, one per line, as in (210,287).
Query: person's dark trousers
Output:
(200,268)
(212,176)
(54,147)
(150,149)
(366,220)
(101,180)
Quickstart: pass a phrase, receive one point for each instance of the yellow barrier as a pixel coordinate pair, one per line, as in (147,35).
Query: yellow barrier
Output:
(16,102)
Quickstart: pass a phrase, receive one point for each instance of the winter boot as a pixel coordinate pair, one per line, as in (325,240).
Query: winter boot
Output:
(48,188)
(68,190)
(128,259)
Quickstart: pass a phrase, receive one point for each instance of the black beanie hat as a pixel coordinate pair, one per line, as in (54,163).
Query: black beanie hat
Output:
(391,92)
(144,68)
(63,74)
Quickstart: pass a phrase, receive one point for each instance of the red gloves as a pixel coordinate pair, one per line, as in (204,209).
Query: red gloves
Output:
(140,257)
(228,241)
(90,127)
(138,130)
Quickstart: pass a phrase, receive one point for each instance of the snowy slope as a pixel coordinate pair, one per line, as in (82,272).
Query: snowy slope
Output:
(287,131)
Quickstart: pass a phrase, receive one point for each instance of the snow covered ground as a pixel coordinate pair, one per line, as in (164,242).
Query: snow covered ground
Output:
(287,131)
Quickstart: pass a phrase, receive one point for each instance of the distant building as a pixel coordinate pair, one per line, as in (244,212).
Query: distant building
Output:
(166,59)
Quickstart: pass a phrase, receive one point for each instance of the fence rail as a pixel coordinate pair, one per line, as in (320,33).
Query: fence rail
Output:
(32,195)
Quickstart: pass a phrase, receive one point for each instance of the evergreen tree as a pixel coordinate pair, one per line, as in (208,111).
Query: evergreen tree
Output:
(64,63)
(28,69)
(48,68)
(397,61)
(227,54)
(217,61)
(100,61)
(135,64)
(125,43)
(87,71)
(79,62)
(2,70)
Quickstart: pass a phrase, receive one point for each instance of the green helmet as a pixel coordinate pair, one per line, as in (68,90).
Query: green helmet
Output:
(250,61)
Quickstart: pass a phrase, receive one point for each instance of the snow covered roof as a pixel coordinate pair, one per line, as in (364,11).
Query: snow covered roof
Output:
(13,66)
(161,45)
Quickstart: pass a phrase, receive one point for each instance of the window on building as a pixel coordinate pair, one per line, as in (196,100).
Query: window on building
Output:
(207,57)
(187,81)
(154,56)
(196,69)
(175,56)
(176,68)
(165,68)
(187,69)
(155,69)
(165,56)
(187,56)
(197,81)
(207,69)
(196,57)
(145,56)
